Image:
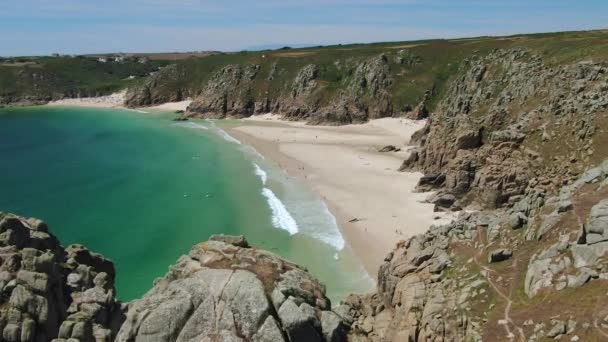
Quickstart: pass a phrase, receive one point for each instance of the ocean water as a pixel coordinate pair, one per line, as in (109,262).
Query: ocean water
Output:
(142,189)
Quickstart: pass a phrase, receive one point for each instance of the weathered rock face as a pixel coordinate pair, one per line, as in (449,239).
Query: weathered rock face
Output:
(415,299)
(228,93)
(155,89)
(224,290)
(460,282)
(495,132)
(48,291)
(241,90)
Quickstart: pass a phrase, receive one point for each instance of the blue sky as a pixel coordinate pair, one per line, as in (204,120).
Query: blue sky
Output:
(31,27)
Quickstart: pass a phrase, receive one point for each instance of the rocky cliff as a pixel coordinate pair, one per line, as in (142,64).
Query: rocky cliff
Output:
(511,125)
(513,141)
(241,90)
(355,83)
(535,271)
(48,291)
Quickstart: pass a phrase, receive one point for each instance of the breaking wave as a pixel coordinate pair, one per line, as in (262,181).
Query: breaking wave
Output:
(189,124)
(280,216)
(260,173)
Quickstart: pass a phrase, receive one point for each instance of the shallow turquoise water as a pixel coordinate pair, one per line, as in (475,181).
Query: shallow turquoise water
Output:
(142,189)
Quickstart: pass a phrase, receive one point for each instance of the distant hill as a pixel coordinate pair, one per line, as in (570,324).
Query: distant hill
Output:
(277,46)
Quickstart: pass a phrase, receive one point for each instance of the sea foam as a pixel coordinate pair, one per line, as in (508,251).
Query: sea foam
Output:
(332,237)
(260,173)
(227,136)
(137,111)
(192,125)
(280,216)
(223,134)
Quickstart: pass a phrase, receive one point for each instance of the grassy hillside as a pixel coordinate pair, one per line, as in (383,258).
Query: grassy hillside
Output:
(415,67)
(45,78)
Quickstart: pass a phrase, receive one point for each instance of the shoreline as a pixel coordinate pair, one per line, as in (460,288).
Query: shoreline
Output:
(116,101)
(375,206)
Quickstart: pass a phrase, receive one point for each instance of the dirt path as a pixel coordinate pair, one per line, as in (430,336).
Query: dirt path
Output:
(507,312)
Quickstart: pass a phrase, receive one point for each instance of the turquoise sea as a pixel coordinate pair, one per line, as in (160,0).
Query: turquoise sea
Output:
(142,189)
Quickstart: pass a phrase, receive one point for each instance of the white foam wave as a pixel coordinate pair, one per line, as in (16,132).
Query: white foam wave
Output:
(260,173)
(227,136)
(254,152)
(192,125)
(138,111)
(333,236)
(280,216)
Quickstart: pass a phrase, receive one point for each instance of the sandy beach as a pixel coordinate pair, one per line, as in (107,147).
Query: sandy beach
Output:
(117,100)
(375,205)
(168,107)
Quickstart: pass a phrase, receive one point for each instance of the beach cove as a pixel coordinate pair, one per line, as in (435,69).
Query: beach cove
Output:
(375,205)
(147,189)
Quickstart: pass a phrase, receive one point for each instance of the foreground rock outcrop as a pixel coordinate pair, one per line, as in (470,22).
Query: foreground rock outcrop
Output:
(48,291)
(223,290)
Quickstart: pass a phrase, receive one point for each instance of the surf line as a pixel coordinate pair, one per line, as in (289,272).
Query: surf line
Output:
(281,218)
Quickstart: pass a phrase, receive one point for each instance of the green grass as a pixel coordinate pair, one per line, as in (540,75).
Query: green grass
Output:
(52,77)
(438,62)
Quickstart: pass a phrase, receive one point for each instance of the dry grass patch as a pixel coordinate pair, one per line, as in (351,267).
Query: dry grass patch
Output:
(294,54)
(406,46)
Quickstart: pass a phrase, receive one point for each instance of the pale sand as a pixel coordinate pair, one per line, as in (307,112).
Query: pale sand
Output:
(169,106)
(117,100)
(343,166)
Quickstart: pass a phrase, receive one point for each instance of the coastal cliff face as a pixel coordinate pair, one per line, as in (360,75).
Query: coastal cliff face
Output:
(458,81)
(224,290)
(511,125)
(241,90)
(533,272)
(521,145)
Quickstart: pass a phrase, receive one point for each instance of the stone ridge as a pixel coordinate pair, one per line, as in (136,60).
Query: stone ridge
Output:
(225,291)
(480,277)
(48,291)
(510,124)
(231,92)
